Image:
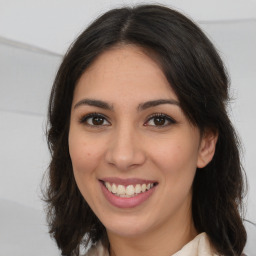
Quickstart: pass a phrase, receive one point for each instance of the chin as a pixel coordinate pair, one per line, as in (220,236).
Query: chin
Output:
(128,232)
(126,227)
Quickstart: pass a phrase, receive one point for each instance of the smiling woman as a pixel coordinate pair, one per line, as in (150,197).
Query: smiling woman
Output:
(144,158)
(142,142)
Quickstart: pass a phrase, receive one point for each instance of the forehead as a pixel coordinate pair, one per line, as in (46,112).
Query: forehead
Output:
(126,73)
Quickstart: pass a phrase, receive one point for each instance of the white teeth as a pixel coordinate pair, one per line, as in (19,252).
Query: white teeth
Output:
(120,190)
(143,187)
(108,186)
(128,191)
(138,189)
(114,188)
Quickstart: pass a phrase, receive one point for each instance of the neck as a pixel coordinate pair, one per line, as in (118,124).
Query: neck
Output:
(162,241)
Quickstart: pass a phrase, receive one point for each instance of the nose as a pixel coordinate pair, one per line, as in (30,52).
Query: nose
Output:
(125,150)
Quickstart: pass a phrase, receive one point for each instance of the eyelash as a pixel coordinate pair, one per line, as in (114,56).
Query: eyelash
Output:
(84,120)
(161,115)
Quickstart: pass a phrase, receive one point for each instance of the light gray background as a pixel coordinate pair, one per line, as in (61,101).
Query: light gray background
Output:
(33,36)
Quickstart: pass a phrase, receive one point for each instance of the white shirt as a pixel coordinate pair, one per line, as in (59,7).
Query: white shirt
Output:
(199,246)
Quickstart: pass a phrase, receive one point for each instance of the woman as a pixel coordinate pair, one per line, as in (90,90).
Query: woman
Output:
(144,160)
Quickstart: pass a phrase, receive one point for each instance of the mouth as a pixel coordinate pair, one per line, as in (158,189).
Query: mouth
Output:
(127,193)
(130,190)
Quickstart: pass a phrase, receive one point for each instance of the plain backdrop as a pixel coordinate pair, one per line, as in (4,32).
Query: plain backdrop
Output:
(33,37)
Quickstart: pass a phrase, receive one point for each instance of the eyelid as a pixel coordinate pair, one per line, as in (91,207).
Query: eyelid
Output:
(84,118)
(168,118)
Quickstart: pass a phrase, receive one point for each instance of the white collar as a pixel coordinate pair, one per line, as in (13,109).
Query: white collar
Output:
(199,246)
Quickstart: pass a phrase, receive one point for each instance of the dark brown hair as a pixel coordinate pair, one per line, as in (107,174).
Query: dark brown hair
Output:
(197,75)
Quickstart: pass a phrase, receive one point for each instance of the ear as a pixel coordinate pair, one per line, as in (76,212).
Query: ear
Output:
(207,148)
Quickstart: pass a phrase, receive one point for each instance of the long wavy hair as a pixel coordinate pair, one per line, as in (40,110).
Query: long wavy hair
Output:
(196,73)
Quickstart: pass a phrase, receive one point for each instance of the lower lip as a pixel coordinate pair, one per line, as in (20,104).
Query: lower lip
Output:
(126,202)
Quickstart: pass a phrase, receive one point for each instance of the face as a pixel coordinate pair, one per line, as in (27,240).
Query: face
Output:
(134,152)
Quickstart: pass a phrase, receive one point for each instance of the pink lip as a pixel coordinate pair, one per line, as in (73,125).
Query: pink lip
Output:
(124,202)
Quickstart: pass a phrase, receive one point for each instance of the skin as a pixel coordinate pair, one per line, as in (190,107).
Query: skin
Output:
(129,144)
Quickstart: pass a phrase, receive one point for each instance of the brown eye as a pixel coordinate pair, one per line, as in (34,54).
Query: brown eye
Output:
(94,120)
(159,120)
(97,120)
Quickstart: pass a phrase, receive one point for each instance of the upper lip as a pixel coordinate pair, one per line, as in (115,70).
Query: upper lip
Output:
(126,182)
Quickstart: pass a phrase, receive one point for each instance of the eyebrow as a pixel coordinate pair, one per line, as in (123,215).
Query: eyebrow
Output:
(142,106)
(95,103)
(154,103)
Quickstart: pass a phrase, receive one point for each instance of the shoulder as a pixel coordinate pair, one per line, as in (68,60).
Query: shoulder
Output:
(199,246)
(97,250)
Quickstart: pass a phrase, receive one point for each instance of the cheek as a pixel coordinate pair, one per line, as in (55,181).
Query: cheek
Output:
(176,158)
(85,157)
(84,153)
(175,155)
